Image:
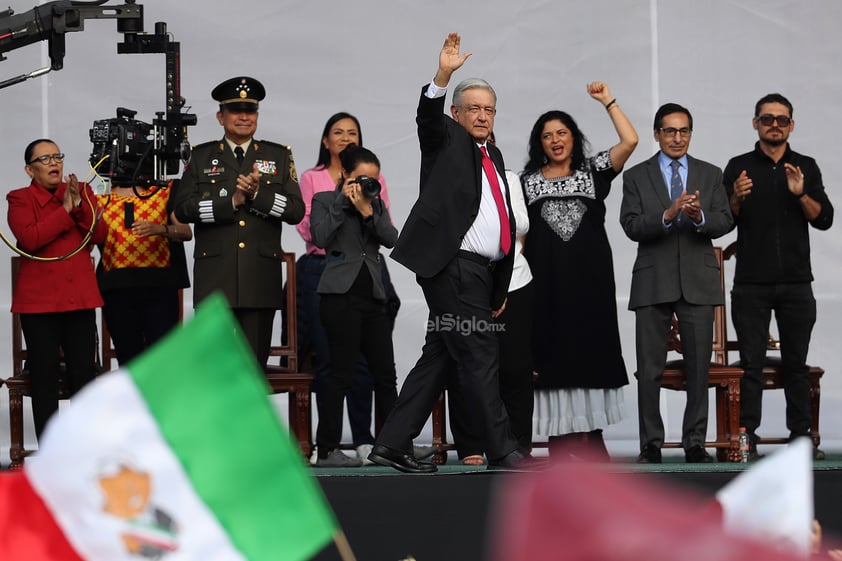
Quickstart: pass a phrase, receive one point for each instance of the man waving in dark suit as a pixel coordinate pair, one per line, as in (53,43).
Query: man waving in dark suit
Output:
(673,205)
(457,239)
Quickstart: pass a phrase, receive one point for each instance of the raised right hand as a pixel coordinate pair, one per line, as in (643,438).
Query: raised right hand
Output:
(449,59)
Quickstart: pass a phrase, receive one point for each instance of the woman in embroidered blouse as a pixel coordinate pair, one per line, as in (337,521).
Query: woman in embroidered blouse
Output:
(142,267)
(576,342)
(56,298)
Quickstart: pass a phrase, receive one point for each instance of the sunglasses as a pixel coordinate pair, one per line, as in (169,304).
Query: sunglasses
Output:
(769,120)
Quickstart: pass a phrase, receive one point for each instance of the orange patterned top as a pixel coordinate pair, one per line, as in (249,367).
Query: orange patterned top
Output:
(122,249)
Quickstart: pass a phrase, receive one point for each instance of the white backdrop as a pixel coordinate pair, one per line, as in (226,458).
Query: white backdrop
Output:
(371,58)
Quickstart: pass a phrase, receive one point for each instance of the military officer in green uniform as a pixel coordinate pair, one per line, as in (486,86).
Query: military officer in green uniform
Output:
(238,191)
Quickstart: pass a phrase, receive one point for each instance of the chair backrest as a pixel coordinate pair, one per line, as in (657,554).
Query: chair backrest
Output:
(18,352)
(287,350)
(720,322)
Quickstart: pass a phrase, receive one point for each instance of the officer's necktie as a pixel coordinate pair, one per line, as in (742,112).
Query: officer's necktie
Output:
(502,211)
(238,151)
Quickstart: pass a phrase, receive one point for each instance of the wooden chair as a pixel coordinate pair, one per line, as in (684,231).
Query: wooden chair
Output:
(285,377)
(723,377)
(18,384)
(439,418)
(773,375)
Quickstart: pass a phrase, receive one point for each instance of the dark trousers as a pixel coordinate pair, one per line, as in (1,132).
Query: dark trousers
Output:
(652,323)
(515,339)
(312,337)
(795,314)
(354,323)
(48,336)
(256,326)
(138,317)
(458,330)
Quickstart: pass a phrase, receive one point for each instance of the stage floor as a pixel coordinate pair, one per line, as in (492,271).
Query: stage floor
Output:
(389,516)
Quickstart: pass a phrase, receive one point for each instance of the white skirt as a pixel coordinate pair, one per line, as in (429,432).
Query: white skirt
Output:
(563,411)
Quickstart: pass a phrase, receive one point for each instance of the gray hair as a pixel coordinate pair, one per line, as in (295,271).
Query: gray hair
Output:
(470,83)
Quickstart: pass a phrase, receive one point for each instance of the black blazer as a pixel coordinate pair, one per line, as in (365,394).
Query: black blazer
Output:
(449,198)
(350,242)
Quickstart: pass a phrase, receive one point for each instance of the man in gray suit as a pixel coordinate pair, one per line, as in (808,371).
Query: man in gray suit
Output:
(673,206)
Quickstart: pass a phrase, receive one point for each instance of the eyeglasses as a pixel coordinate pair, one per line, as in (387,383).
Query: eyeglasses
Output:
(769,120)
(45,159)
(685,132)
(475,109)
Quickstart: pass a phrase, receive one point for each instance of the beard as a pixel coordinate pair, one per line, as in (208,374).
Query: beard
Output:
(776,140)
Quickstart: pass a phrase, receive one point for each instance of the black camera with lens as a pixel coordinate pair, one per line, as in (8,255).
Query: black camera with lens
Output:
(369,186)
(128,144)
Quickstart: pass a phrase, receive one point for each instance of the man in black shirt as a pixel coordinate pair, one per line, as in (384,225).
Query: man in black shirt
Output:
(775,194)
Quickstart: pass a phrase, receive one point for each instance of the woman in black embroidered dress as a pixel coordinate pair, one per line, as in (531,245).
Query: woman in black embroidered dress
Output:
(576,349)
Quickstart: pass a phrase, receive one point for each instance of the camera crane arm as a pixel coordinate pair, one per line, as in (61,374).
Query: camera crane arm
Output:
(51,21)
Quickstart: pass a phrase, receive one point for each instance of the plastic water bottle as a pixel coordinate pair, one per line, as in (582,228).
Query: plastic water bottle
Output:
(744,454)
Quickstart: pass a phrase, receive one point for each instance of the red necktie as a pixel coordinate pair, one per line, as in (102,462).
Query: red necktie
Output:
(502,211)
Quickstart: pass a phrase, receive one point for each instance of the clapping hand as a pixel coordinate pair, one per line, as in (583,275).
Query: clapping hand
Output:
(72,197)
(247,187)
(249,184)
(685,204)
(794,179)
(743,185)
(691,208)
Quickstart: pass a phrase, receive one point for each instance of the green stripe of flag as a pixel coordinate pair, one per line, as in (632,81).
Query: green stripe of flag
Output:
(209,397)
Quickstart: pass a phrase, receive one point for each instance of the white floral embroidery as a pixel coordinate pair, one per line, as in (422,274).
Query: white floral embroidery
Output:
(563,216)
(564,211)
(602,161)
(580,184)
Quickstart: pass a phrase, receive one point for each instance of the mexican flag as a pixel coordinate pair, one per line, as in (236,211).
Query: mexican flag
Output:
(181,456)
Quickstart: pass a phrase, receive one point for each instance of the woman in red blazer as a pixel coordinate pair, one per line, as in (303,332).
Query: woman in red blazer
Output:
(57,298)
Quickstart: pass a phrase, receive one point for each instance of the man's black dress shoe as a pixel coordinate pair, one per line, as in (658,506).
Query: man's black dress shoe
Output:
(517,461)
(402,462)
(697,455)
(650,454)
